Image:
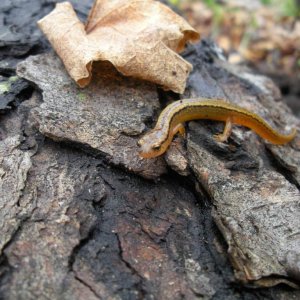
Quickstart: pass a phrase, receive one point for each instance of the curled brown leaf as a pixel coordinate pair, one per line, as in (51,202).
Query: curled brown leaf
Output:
(141,38)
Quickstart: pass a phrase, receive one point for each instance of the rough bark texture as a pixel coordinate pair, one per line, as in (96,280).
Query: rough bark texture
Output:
(256,207)
(105,117)
(78,219)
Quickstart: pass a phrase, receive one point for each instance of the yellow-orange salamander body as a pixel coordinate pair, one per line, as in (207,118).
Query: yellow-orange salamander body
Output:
(171,119)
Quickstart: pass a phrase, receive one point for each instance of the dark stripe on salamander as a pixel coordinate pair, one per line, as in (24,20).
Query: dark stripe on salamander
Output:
(242,111)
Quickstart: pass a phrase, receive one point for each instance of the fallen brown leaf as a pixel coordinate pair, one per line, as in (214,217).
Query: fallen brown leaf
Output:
(141,38)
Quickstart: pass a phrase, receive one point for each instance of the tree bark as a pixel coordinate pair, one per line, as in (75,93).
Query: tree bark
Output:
(83,217)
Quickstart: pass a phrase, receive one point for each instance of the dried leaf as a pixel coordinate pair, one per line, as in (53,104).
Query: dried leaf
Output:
(140,38)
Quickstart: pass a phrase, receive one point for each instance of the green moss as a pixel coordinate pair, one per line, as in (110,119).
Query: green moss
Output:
(13,79)
(81,96)
(4,87)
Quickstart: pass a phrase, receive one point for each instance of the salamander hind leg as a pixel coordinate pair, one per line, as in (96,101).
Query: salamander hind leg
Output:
(222,137)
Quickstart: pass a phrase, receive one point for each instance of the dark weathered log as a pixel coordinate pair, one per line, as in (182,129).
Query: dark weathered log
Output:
(75,226)
(256,205)
(18,30)
(13,90)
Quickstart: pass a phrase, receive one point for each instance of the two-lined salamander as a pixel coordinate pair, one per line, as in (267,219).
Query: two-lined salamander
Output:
(171,119)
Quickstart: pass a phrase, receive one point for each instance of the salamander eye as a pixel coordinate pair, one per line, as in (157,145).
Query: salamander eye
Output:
(156,147)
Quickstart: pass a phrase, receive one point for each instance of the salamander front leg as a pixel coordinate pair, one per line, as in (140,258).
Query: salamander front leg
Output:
(222,137)
(179,128)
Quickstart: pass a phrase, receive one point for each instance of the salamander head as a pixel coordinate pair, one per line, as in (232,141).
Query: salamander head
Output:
(152,144)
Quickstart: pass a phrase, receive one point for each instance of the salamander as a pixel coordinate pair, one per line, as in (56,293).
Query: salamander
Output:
(171,119)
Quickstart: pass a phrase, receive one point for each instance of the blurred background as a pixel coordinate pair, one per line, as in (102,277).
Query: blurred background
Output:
(264,34)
